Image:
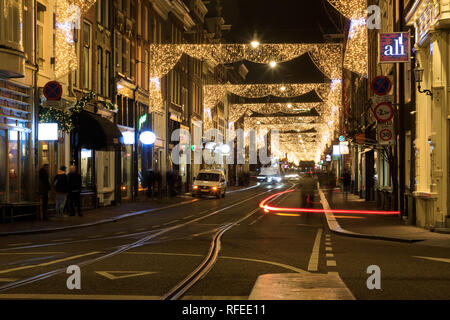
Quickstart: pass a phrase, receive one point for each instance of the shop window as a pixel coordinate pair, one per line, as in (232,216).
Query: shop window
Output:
(126,183)
(86,167)
(13,169)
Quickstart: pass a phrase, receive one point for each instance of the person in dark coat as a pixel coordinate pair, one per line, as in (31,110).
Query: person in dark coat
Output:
(61,187)
(44,188)
(74,182)
(346,181)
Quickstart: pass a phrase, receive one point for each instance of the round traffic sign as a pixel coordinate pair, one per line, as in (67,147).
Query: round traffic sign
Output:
(381,85)
(52,90)
(383,112)
(385,134)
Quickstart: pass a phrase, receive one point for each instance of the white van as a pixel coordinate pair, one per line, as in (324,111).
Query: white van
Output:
(210,182)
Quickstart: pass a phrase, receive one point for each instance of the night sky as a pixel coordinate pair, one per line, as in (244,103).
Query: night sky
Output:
(278,21)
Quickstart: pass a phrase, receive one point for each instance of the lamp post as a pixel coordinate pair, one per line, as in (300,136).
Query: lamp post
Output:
(418,74)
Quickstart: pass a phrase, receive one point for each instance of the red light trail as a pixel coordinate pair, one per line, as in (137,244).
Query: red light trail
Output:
(267,208)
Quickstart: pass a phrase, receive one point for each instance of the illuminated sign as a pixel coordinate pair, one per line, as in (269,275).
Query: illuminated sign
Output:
(394,47)
(336,150)
(47,131)
(147,137)
(128,137)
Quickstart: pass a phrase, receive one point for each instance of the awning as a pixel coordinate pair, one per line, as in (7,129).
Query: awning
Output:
(96,132)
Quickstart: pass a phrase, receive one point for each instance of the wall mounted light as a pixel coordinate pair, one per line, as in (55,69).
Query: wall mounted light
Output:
(418,74)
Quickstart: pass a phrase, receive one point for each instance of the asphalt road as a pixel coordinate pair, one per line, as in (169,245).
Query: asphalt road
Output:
(148,256)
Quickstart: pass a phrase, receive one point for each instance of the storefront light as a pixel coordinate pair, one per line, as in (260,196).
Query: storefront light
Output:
(47,131)
(147,137)
(128,137)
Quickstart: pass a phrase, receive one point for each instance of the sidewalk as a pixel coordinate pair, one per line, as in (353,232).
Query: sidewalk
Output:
(101,215)
(384,227)
(90,217)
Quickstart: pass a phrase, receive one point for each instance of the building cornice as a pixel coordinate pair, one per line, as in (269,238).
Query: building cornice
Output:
(162,7)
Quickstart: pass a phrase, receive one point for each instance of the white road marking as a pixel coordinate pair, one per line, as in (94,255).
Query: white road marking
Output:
(331,263)
(434,259)
(114,275)
(328,249)
(314,259)
(256,220)
(329,255)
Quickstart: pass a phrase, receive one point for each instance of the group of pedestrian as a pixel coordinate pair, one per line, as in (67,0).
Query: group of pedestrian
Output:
(153,183)
(67,189)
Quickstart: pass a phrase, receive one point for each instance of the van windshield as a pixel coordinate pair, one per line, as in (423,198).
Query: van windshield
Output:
(206,176)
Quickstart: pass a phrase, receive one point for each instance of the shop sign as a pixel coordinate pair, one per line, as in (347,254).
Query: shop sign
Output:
(394,47)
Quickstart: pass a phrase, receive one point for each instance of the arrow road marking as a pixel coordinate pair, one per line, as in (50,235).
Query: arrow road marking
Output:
(124,274)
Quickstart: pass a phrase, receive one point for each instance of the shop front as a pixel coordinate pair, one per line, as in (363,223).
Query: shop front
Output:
(432,112)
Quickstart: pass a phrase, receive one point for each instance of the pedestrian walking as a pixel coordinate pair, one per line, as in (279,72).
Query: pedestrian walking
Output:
(44,188)
(74,182)
(346,182)
(61,187)
(331,185)
(307,188)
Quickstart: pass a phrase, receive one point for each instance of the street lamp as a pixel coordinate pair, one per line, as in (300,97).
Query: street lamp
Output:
(254,44)
(418,74)
(272,64)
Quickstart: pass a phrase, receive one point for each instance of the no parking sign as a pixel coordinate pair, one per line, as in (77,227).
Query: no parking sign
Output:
(381,85)
(52,91)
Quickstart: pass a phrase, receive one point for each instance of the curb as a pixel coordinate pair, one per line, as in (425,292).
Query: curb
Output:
(90,224)
(335,227)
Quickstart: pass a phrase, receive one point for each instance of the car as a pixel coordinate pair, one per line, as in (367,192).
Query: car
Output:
(210,182)
(269,178)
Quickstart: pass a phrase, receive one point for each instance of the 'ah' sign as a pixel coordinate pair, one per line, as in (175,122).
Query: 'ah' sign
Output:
(394,47)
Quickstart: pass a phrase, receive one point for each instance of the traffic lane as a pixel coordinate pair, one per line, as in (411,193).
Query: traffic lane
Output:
(132,273)
(264,243)
(185,233)
(402,275)
(141,223)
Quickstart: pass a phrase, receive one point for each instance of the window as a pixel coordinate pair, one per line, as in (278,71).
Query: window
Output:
(40,32)
(75,73)
(87,80)
(145,23)
(118,52)
(139,20)
(126,56)
(132,60)
(146,67)
(103,12)
(100,71)
(176,87)
(14,29)
(107,74)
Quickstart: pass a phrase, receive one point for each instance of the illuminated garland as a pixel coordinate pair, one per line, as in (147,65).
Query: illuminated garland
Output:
(356,52)
(166,56)
(238,110)
(64,118)
(53,115)
(67,16)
